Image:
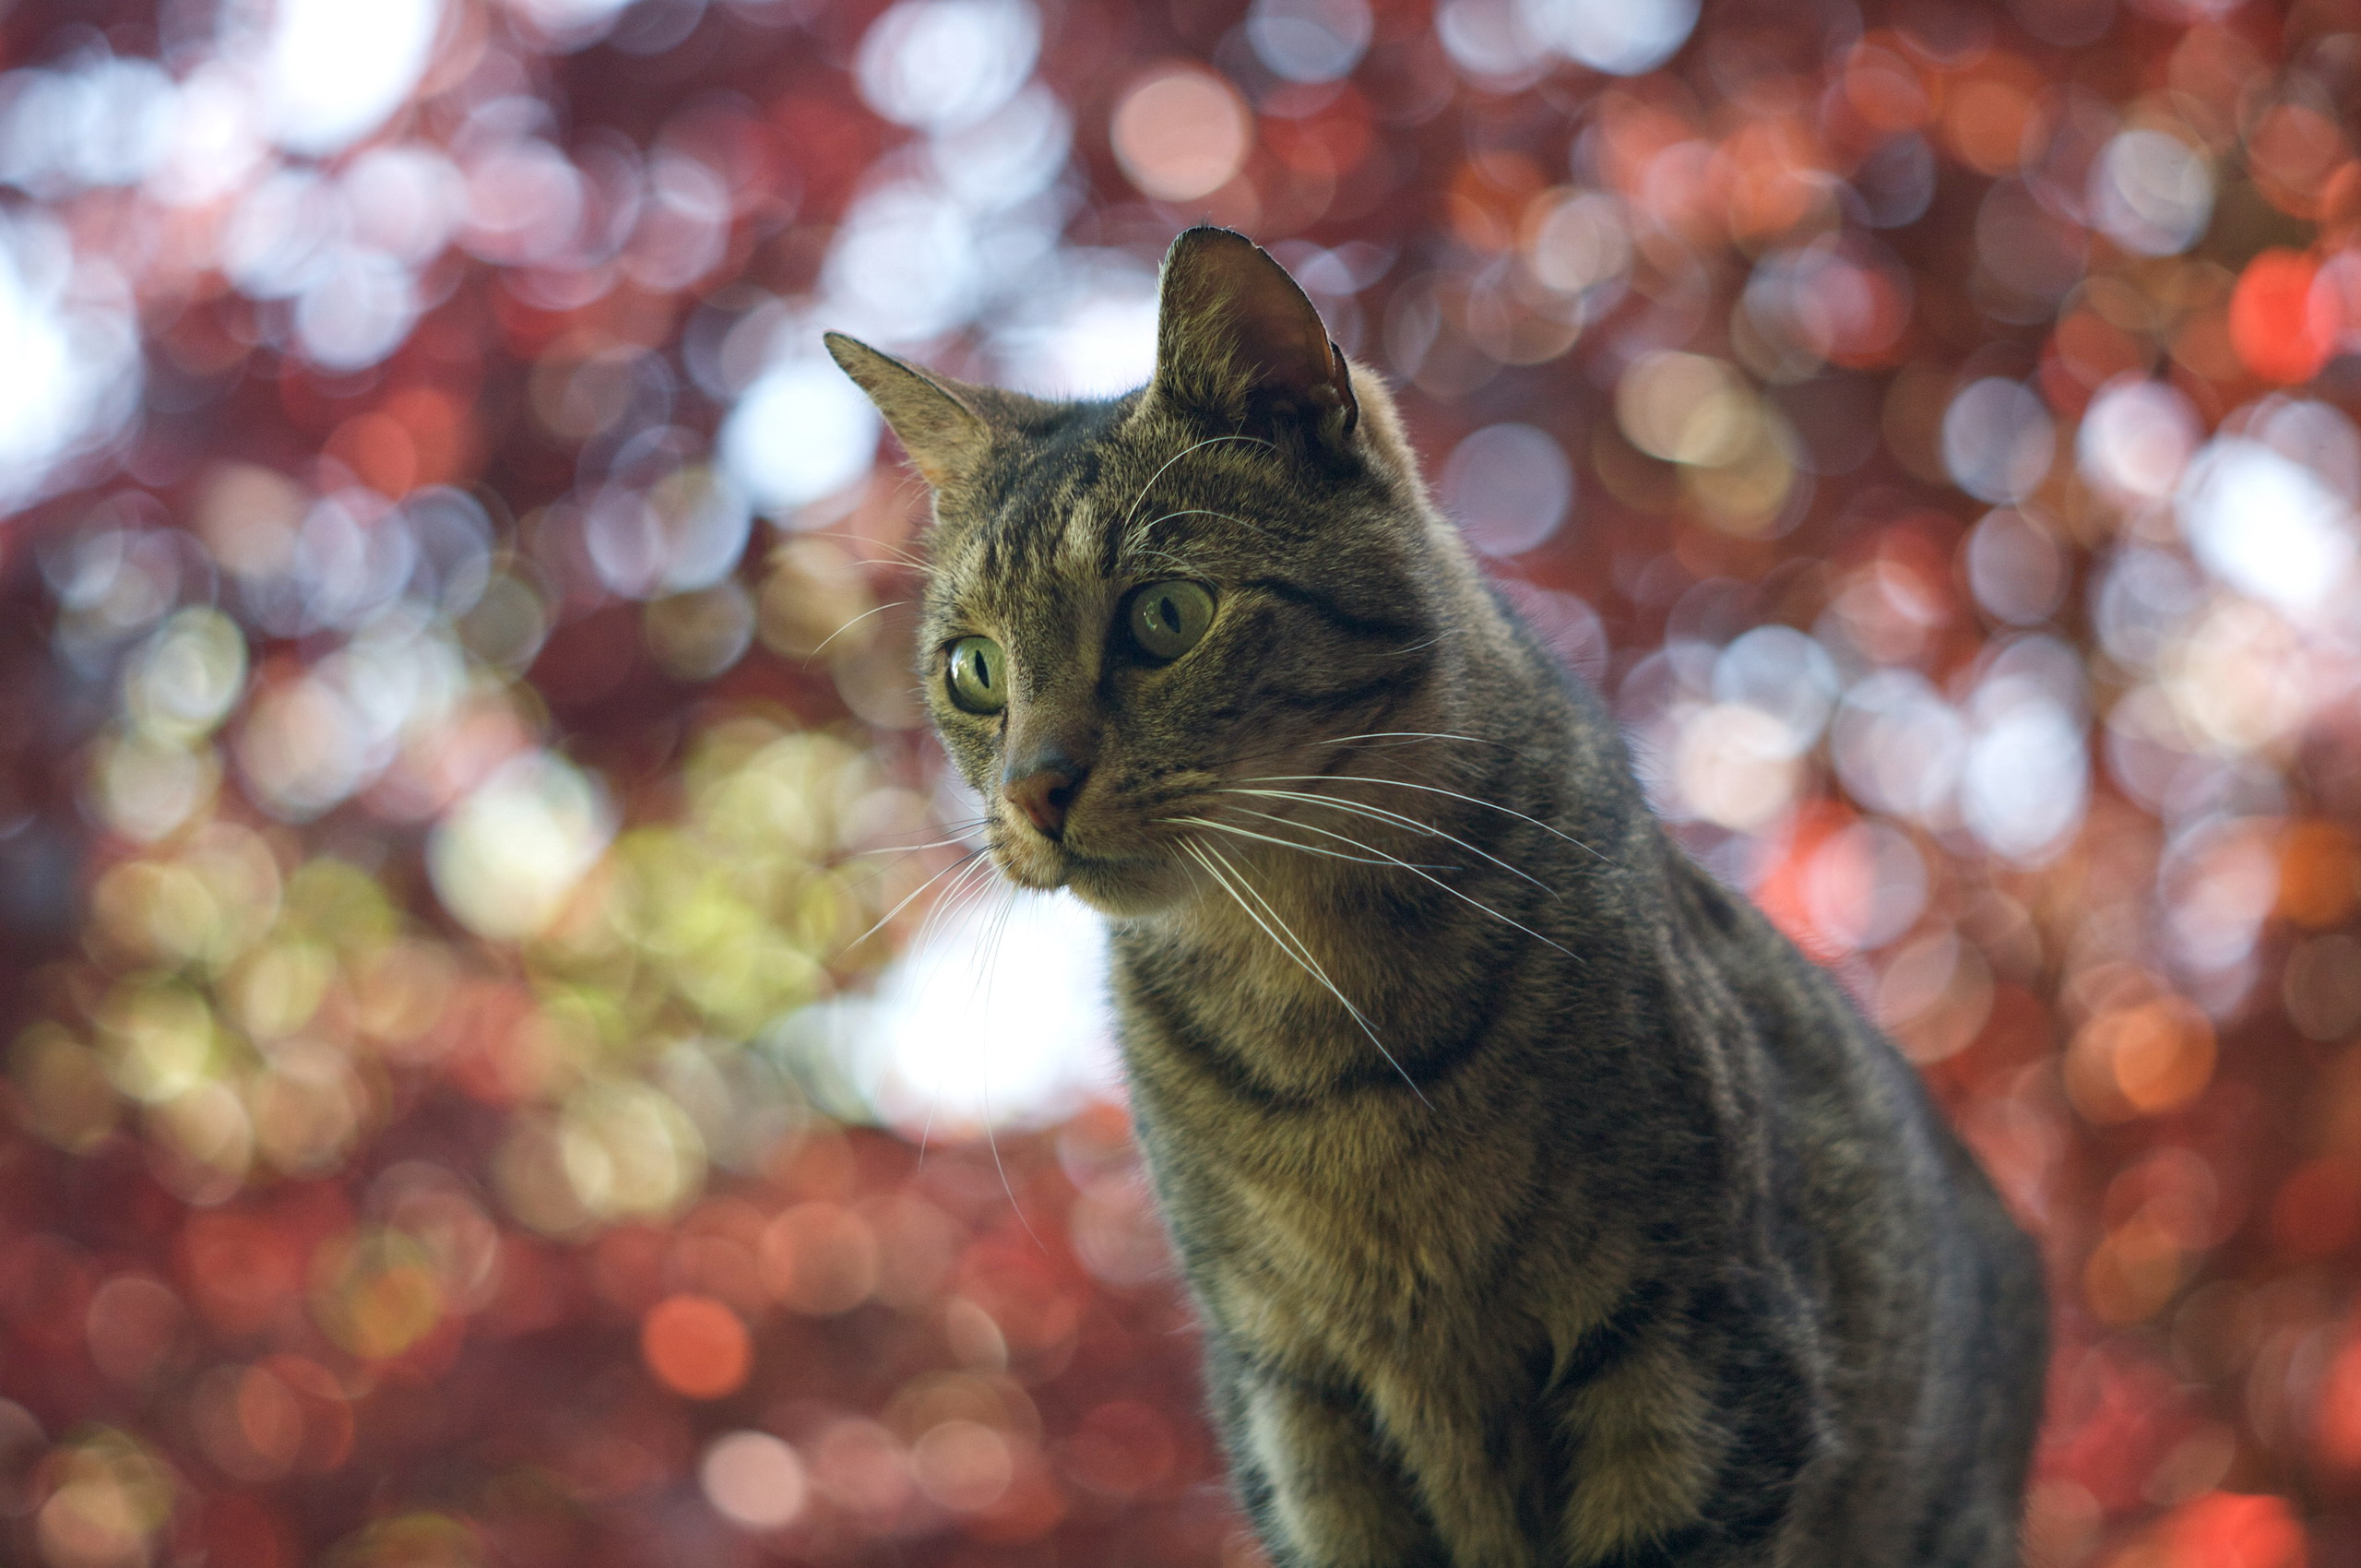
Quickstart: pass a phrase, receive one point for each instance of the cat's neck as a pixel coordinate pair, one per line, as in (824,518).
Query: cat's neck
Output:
(1415,874)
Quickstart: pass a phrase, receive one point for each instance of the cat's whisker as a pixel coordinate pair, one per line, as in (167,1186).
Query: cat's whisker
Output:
(1379,814)
(1387,860)
(1131,513)
(1181,562)
(897,555)
(966,882)
(989,975)
(1381,858)
(961,894)
(849,625)
(1139,532)
(969,859)
(959,837)
(1432,790)
(1300,953)
(1410,735)
(903,851)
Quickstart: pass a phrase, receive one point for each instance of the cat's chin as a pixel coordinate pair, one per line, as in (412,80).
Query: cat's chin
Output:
(1126,889)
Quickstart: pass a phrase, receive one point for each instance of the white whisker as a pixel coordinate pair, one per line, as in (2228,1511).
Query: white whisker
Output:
(1432,790)
(1410,735)
(1379,814)
(1131,513)
(849,625)
(1301,954)
(969,859)
(1307,849)
(1387,860)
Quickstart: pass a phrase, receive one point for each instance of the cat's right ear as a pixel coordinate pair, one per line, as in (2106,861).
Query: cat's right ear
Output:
(1241,343)
(946,438)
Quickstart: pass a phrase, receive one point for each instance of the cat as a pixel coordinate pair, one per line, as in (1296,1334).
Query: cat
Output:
(1542,1204)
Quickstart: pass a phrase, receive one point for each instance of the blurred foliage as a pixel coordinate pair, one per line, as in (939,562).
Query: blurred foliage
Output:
(461,789)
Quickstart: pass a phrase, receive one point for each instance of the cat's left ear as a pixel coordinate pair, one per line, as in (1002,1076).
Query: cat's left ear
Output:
(945,436)
(1239,342)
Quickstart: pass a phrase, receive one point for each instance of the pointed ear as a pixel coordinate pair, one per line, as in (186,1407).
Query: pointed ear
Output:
(943,434)
(1238,341)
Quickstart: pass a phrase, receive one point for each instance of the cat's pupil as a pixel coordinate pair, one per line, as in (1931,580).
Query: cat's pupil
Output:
(981,672)
(1168,612)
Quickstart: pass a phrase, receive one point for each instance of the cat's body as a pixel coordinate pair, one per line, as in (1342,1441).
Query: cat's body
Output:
(1544,1207)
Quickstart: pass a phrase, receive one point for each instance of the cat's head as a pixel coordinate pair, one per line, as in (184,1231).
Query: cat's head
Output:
(1136,607)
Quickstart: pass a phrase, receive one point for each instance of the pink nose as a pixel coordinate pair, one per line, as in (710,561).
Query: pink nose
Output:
(1044,795)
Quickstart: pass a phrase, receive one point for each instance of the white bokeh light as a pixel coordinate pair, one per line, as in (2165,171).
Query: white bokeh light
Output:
(1898,745)
(1091,332)
(998,1017)
(943,63)
(801,431)
(905,265)
(2026,777)
(1620,37)
(108,124)
(2267,525)
(1998,440)
(1009,155)
(2152,192)
(754,1479)
(1509,485)
(2136,437)
(504,858)
(333,70)
(1308,40)
(72,355)
(358,313)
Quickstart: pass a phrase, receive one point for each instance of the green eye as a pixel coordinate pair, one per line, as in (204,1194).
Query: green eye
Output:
(1166,618)
(978,671)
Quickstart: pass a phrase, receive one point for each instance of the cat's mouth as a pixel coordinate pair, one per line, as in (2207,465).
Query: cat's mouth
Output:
(1113,885)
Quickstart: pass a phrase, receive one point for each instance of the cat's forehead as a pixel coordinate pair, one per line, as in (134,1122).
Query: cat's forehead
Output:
(1092,502)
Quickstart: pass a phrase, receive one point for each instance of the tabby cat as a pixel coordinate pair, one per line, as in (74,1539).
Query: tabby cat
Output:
(1542,1204)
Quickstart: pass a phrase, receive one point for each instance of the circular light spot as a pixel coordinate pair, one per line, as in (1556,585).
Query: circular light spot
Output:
(1735,766)
(943,63)
(965,1466)
(1865,885)
(1684,408)
(1620,37)
(334,70)
(506,857)
(2266,525)
(800,431)
(696,1346)
(1998,440)
(754,1479)
(2016,570)
(2136,438)
(1509,485)
(1308,40)
(1181,134)
(2278,321)
(358,313)
(2152,192)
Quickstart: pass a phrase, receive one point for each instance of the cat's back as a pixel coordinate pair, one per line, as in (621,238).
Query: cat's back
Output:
(1929,1292)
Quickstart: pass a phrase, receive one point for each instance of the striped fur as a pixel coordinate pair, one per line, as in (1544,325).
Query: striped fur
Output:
(1543,1204)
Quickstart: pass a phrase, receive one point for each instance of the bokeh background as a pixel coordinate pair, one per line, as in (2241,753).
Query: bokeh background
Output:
(500,1066)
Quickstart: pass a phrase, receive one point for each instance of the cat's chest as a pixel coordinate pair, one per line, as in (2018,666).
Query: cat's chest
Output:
(1348,1224)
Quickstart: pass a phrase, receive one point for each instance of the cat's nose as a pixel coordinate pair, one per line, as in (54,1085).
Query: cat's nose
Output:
(1044,789)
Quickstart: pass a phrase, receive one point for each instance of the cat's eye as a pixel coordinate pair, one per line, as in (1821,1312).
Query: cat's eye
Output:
(1166,618)
(978,675)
